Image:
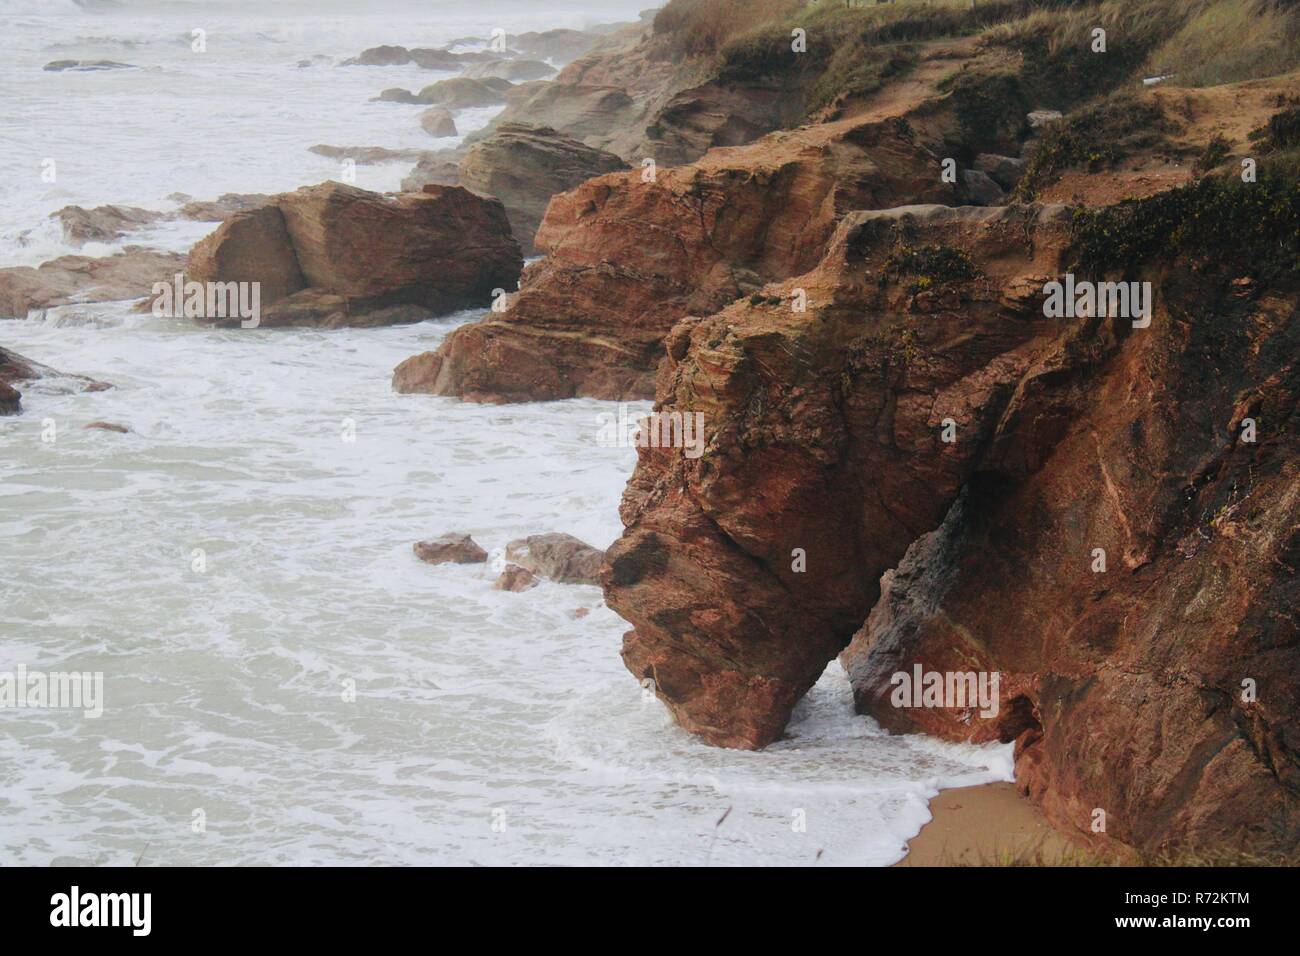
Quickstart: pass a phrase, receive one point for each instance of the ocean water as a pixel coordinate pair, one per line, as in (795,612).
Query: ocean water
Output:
(284,683)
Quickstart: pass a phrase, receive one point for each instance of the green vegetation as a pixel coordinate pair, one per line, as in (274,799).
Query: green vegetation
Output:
(1096,137)
(850,49)
(931,265)
(1282,131)
(990,105)
(1215,152)
(1216,223)
(702,27)
(1035,53)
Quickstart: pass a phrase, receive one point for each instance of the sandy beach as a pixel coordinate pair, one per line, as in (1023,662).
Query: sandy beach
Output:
(987,825)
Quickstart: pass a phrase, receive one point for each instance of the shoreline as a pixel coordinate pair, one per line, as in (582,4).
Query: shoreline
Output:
(989,824)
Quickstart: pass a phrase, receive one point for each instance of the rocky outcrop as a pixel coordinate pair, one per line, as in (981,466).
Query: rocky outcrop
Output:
(110,223)
(608,97)
(560,557)
(524,166)
(333,255)
(832,411)
(1075,504)
(461,92)
(515,578)
(424,57)
(438,122)
(438,168)
(630,254)
(516,71)
(14,368)
(1125,558)
(451,547)
(560,45)
(128,274)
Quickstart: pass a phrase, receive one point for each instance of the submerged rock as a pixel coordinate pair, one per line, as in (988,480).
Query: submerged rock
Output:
(450,548)
(103,223)
(87,65)
(515,578)
(560,557)
(110,427)
(128,274)
(10,400)
(15,368)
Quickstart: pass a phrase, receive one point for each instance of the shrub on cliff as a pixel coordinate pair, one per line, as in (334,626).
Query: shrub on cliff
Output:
(1096,137)
(1222,224)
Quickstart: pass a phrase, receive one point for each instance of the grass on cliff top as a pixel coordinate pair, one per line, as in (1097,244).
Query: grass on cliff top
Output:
(850,50)
(1230,41)
(1201,42)
(1218,224)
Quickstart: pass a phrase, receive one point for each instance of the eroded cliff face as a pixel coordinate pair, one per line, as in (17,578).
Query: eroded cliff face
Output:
(1163,690)
(746,570)
(630,254)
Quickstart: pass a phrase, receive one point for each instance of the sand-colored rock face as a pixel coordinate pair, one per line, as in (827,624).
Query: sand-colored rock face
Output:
(630,254)
(335,255)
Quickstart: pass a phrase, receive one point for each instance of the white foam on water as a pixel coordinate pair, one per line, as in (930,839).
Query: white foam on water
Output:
(225,690)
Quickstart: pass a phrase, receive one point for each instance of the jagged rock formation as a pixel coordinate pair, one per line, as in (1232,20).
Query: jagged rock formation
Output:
(1068,435)
(524,166)
(333,255)
(630,254)
(560,557)
(830,411)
